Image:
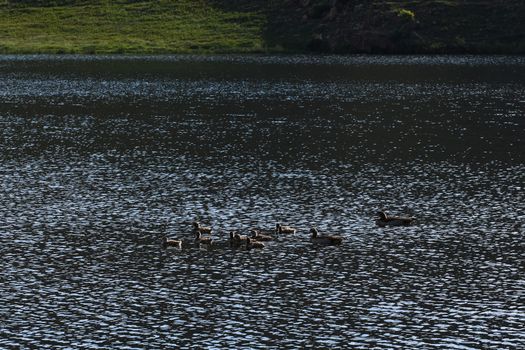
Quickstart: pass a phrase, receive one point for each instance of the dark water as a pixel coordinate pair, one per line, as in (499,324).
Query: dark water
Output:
(102,156)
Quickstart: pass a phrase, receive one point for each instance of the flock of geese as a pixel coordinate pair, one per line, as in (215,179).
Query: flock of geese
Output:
(256,237)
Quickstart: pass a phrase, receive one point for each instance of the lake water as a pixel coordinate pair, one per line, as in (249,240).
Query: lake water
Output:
(103,156)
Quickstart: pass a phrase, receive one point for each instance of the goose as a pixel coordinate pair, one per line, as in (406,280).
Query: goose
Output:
(385,220)
(203,240)
(202,229)
(253,244)
(236,238)
(328,240)
(166,242)
(258,237)
(284,229)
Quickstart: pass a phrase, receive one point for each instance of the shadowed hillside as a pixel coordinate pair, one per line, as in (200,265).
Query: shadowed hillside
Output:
(444,26)
(211,26)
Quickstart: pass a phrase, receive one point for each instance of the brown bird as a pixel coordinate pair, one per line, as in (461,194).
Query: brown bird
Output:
(284,229)
(253,244)
(327,240)
(263,231)
(237,239)
(202,229)
(202,240)
(166,242)
(385,220)
(258,237)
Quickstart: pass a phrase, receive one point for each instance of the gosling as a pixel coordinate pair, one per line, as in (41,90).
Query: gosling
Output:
(202,240)
(237,239)
(202,229)
(166,242)
(284,229)
(258,237)
(253,244)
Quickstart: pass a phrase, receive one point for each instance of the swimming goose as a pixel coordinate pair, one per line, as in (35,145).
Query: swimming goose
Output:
(166,242)
(258,237)
(284,229)
(263,231)
(385,220)
(328,240)
(202,229)
(203,240)
(253,244)
(237,239)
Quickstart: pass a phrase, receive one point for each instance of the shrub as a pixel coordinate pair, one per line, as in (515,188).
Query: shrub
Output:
(406,14)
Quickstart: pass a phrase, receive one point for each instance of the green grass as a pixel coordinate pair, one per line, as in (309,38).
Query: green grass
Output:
(178,26)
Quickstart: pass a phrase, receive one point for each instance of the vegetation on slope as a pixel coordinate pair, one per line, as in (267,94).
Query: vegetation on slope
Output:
(236,26)
(127,27)
(436,26)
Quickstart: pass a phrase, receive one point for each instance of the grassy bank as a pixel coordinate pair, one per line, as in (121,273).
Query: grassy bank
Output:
(129,27)
(251,26)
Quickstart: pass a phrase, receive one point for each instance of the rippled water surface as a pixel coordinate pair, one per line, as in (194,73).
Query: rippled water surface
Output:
(103,156)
